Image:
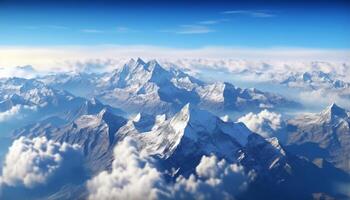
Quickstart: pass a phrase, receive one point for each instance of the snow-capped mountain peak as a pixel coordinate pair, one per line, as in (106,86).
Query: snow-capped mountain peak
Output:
(189,125)
(329,129)
(140,86)
(140,61)
(335,111)
(95,120)
(189,116)
(90,121)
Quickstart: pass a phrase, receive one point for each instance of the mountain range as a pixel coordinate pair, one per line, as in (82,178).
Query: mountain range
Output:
(173,121)
(27,101)
(179,143)
(148,87)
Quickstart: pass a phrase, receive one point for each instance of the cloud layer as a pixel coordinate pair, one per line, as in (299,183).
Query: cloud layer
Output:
(265,123)
(14,112)
(214,179)
(134,175)
(55,58)
(8,114)
(33,162)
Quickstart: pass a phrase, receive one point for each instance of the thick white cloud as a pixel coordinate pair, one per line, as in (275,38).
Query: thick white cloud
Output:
(8,114)
(135,176)
(26,71)
(325,97)
(32,162)
(14,112)
(214,179)
(265,123)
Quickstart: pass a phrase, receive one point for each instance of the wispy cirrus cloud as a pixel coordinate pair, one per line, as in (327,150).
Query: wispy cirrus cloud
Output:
(190,29)
(57,27)
(194,29)
(118,29)
(212,22)
(51,26)
(209,22)
(122,29)
(201,27)
(30,27)
(251,13)
(92,31)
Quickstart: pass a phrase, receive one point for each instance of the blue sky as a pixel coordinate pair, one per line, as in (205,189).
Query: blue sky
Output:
(176,25)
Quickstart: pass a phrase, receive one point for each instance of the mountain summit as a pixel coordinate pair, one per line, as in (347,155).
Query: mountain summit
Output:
(329,130)
(140,86)
(334,111)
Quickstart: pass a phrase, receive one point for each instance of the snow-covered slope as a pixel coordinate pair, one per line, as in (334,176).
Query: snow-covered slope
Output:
(179,142)
(25,101)
(315,80)
(30,92)
(190,132)
(324,135)
(183,128)
(141,86)
(78,84)
(95,133)
(147,87)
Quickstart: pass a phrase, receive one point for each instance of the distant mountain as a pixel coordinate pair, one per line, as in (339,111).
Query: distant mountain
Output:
(78,84)
(315,80)
(324,135)
(30,92)
(30,101)
(148,87)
